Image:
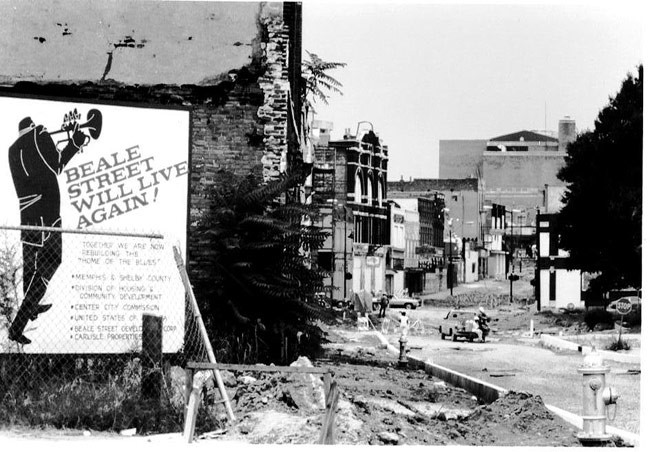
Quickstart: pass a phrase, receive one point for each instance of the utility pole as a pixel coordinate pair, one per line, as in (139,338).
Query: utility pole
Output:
(512,277)
(450,269)
(345,253)
(511,253)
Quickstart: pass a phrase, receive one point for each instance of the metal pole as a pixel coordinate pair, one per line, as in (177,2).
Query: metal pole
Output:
(510,288)
(333,227)
(83,231)
(511,253)
(450,269)
(345,253)
(333,253)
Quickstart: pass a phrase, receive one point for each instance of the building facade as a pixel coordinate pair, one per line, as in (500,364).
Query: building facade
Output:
(462,197)
(557,286)
(396,251)
(517,170)
(349,178)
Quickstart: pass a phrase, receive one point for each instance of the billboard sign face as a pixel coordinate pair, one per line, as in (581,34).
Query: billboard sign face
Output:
(91,168)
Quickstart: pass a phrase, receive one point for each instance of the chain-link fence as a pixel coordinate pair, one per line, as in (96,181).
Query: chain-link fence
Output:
(73,351)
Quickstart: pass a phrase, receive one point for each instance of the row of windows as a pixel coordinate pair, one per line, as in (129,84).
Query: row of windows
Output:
(368,190)
(371,230)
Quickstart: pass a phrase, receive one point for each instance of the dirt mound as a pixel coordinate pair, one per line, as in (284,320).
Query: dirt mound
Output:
(381,403)
(518,418)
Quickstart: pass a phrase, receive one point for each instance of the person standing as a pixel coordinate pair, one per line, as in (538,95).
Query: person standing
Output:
(383,304)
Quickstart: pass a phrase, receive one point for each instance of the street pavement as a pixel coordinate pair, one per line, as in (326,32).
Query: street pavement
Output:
(522,365)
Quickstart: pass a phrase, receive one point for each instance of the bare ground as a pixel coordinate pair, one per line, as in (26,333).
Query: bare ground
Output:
(383,404)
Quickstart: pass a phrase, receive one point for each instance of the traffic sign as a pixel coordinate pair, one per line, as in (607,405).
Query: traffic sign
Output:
(623,306)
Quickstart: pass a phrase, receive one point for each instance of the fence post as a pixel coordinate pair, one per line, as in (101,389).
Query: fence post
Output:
(328,430)
(327,382)
(151,357)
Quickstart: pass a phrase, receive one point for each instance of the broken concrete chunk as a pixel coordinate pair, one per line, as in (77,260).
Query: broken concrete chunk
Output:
(228,378)
(246,379)
(302,361)
(388,437)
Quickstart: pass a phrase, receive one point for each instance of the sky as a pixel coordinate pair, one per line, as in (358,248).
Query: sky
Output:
(424,72)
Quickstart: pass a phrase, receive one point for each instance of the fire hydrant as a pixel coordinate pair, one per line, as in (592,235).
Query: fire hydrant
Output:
(402,361)
(597,400)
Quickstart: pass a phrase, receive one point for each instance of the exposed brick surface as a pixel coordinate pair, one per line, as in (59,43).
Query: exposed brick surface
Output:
(239,126)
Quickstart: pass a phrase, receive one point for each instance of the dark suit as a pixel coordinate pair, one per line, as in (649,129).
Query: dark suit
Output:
(35,163)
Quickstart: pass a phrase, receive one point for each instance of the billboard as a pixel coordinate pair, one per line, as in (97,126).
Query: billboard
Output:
(91,168)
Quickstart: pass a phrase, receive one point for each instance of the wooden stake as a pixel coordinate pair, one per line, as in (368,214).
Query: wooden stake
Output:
(328,430)
(204,334)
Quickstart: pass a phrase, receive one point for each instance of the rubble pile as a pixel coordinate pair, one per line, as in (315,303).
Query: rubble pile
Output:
(382,404)
(518,418)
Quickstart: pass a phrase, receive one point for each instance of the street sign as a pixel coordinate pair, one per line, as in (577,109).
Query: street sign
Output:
(623,306)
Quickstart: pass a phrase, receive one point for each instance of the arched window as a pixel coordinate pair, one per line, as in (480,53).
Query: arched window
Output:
(369,192)
(358,188)
(380,193)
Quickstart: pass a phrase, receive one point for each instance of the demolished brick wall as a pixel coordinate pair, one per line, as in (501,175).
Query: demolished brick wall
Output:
(239,120)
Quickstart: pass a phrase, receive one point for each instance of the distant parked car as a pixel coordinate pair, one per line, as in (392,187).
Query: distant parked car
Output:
(404,302)
(398,301)
(458,323)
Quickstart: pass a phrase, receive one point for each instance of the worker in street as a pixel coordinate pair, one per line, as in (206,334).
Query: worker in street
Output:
(483,323)
(477,329)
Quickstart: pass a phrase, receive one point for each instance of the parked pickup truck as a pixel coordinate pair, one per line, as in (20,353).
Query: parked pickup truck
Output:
(458,323)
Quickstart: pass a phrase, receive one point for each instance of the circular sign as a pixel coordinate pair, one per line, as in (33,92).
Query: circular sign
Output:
(623,306)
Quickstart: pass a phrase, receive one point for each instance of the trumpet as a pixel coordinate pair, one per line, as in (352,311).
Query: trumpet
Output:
(93,124)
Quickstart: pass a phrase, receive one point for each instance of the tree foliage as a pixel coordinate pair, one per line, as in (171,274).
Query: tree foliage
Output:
(318,83)
(317,86)
(260,279)
(600,223)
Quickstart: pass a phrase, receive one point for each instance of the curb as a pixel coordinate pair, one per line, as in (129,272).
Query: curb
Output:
(555,342)
(576,421)
(614,356)
(489,392)
(481,389)
(562,344)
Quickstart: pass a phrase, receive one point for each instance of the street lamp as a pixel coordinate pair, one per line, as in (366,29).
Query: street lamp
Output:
(450,265)
(450,268)
(512,277)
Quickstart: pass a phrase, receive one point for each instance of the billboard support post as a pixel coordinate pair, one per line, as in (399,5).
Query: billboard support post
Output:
(204,334)
(152,356)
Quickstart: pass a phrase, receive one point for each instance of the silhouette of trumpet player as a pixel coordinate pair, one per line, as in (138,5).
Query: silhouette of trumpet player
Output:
(35,162)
